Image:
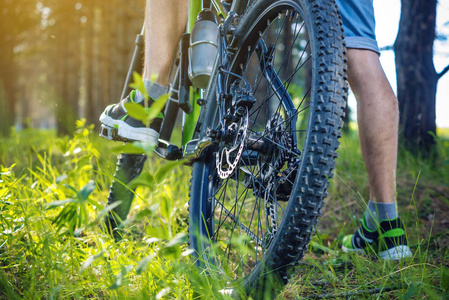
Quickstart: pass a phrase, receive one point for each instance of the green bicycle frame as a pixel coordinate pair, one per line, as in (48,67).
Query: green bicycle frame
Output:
(190,120)
(195,7)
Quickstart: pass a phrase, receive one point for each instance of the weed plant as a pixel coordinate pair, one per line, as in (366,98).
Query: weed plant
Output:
(53,199)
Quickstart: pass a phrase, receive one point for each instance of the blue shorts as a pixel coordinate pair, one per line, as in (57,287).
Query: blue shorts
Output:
(359,24)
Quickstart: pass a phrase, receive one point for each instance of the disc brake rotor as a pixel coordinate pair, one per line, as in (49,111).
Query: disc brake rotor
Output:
(229,153)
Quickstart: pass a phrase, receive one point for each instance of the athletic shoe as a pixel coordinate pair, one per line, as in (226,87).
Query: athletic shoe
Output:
(115,116)
(388,242)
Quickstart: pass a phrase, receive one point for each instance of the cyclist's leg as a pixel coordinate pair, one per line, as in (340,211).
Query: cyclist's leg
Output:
(377,115)
(377,105)
(165,22)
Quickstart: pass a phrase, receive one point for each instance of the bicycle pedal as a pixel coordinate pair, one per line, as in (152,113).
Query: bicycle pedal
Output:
(168,151)
(108,132)
(111,133)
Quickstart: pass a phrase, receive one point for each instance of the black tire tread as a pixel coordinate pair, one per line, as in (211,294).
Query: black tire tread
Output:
(128,167)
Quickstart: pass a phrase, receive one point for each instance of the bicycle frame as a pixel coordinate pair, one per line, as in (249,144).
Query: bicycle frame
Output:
(188,98)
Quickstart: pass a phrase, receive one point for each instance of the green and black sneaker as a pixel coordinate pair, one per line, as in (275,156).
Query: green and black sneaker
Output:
(388,242)
(115,117)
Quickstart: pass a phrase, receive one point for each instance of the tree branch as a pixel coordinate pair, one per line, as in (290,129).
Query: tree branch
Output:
(441,74)
(387,48)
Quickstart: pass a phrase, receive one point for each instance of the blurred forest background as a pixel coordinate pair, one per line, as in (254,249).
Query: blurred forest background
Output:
(65,60)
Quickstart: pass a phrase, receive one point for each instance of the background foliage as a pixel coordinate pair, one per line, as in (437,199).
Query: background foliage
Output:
(61,60)
(53,195)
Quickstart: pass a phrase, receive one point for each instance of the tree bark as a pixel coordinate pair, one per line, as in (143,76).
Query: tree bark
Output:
(416,75)
(7,88)
(90,111)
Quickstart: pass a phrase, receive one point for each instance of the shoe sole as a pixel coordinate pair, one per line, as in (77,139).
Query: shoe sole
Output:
(396,253)
(132,133)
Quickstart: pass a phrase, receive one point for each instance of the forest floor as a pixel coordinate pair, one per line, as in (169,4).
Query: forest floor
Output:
(51,184)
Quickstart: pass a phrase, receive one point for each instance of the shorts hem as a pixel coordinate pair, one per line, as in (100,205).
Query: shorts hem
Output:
(359,42)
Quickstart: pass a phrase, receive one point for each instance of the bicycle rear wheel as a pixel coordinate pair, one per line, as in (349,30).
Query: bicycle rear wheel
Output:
(252,211)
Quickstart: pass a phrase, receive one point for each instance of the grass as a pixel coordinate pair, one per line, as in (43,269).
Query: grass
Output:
(53,195)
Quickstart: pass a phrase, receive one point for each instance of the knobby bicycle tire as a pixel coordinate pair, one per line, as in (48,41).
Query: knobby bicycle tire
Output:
(256,223)
(128,167)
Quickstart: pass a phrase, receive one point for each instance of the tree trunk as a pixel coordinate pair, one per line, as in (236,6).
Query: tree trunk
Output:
(7,88)
(416,75)
(90,111)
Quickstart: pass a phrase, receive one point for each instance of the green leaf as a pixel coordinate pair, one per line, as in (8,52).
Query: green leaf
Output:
(66,217)
(147,147)
(85,160)
(126,222)
(162,172)
(171,253)
(316,246)
(107,209)
(138,85)
(157,232)
(136,111)
(87,190)
(179,239)
(18,228)
(166,206)
(136,148)
(129,148)
(142,265)
(144,179)
(95,203)
(71,188)
(91,259)
(120,276)
(411,291)
(146,212)
(444,284)
(157,107)
(59,179)
(59,203)
(153,77)
(54,292)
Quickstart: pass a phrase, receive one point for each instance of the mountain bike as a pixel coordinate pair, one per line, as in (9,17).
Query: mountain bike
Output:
(260,130)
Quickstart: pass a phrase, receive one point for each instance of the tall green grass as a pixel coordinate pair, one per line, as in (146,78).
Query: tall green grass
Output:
(53,197)
(53,194)
(422,193)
